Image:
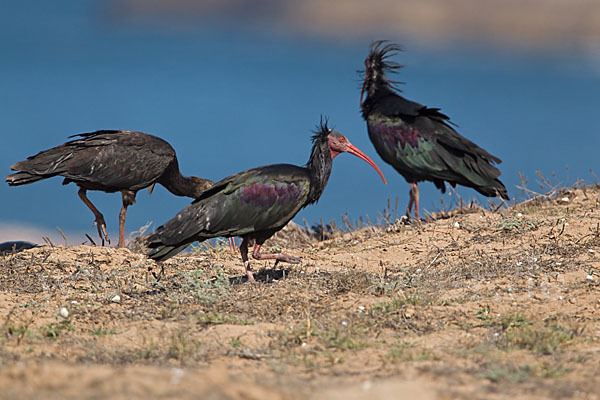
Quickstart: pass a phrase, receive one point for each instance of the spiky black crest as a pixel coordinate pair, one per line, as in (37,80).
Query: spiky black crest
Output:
(377,64)
(321,131)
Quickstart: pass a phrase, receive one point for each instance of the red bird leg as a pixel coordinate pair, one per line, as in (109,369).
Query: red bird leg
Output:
(99,221)
(128,199)
(274,256)
(413,200)
(244,253)
(232,245)
(415,193)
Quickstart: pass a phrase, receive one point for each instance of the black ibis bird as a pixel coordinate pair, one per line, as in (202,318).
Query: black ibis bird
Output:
(418,141)
(256,203)
(110,161)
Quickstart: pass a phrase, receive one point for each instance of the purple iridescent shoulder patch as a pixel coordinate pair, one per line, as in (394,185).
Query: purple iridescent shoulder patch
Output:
(262,195)
(391,135)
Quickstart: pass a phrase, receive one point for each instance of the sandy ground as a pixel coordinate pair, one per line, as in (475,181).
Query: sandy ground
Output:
(478,305)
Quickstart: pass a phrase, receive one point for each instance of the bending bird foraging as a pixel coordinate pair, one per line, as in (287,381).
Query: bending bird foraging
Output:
(419,142)
(256,203)
(110,161)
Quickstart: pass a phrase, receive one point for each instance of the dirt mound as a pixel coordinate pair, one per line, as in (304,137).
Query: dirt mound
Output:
(479,304)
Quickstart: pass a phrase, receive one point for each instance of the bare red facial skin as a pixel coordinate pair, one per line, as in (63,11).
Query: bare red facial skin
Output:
(348,147)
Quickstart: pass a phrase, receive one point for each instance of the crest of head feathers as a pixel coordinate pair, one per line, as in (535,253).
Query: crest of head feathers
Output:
(321,131)
(377,64)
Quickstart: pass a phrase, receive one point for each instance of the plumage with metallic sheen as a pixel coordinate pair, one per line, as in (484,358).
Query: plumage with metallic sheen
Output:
(418,141)
(110,161)
(254,204)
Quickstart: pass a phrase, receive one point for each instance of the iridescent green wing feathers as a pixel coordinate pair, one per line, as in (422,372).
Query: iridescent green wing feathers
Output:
(259,199)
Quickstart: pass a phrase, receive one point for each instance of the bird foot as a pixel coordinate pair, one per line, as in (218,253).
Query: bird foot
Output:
(291,260)
(250,277)
(101,226)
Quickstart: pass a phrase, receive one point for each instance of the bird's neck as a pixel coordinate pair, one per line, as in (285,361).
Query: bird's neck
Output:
(319,169)
(375,91)
(181,185)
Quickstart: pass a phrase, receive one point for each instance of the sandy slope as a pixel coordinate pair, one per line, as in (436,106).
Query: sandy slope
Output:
(477,305)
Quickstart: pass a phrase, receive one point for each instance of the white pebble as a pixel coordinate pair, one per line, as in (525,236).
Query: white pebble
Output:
(361,308)
(456,225)
(419,270)
(496,334)
(591,251)
(116,298)
(64,312)
(565,199)
(589,277)
(74,302)
(303,344)
(519,215)
(344,323)
(560,297)
(558,263)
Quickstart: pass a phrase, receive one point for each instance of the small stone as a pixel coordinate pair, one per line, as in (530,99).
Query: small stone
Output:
(519,215)
(74,302)
(361,308)
(589,277)
(344,323)
(419,270)
(560,297)
(64,312)
(116,298)
(456,225)
(303,344)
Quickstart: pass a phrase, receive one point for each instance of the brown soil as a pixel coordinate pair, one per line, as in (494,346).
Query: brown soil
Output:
(479,305)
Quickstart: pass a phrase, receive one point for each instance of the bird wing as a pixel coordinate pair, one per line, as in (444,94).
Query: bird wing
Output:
(420,143)
(252,201)
(107,160)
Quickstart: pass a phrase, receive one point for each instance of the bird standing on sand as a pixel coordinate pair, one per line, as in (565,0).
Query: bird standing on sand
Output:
(110,161)
(419,142)
(256,203)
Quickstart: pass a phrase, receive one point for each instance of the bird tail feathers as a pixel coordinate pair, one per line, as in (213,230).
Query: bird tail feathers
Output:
(23,178)
(162,252)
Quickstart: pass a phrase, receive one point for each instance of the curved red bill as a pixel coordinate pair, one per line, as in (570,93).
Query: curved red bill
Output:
(354,150)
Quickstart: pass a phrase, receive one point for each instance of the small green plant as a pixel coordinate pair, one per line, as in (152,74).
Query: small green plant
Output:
(55,329)
(216,318)
(406,351)
(506,373)
(182,346)
(545,340)
(515,224)
(342,338)
(235,342)
(149,349)
(99,332)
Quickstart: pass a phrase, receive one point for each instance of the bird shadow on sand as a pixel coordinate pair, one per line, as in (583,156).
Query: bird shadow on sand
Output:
(264,275)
